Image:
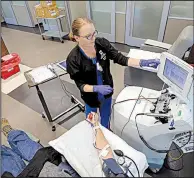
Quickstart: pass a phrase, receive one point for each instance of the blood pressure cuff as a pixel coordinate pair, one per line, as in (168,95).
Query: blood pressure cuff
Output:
(112,169)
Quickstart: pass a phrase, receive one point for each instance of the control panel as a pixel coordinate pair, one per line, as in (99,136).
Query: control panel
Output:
(169,104)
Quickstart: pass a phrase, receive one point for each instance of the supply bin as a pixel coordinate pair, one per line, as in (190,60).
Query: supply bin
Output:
(10,65)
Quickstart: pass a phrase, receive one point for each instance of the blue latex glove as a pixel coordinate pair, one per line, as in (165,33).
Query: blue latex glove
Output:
(102,89)
(149,63)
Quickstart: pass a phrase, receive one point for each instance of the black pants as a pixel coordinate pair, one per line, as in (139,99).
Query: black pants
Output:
(35,166)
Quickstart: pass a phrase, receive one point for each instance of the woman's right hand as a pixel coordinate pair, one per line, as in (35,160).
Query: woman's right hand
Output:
(102,89)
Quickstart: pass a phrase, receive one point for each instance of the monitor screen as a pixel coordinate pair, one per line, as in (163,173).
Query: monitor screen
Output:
(175,73)
(63,64)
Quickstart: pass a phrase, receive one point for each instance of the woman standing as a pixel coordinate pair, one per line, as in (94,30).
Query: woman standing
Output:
(89,66)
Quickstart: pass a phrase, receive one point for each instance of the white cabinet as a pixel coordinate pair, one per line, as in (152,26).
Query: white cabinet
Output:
(17,13)
(8,13)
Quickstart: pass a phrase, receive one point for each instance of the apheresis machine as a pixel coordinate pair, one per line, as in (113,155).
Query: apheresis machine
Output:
(148,120)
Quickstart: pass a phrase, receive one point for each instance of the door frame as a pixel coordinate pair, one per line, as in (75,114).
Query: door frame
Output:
(134,41)
(30,14)
(110,37)
(68,15)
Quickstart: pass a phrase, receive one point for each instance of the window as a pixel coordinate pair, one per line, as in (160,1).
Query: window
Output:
(181,9)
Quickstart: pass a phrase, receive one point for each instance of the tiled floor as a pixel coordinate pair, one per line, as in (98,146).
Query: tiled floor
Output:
(35,52)
(22,28)
(23,118)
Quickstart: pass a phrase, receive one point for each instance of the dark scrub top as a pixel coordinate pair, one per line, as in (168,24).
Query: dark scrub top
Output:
(99,74)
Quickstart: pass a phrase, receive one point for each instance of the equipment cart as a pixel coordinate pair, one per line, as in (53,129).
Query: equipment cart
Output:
(51,33)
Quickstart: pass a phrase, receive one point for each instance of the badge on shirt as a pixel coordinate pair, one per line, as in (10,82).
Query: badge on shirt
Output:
(99,67)
(103,55)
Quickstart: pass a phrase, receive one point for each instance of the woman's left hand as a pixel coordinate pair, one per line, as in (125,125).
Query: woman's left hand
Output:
(149,63)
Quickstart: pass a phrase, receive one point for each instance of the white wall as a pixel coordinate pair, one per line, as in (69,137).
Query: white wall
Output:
(77,9)
(174,28)
(180,16)
(120,28)
(120,21)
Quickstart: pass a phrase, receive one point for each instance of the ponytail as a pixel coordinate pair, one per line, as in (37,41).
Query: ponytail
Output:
(71,38)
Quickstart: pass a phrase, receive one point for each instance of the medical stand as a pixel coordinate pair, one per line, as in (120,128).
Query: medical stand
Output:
(31,83)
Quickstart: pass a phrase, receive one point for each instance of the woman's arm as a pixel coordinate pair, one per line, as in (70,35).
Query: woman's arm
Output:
(74,71)
(88,88)
(110,166)
(133,62)
(73,68)
(119,58)
(101,142)
(100,139)
(103,89)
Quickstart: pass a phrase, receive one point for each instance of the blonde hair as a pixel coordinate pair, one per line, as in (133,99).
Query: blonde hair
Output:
(77,24)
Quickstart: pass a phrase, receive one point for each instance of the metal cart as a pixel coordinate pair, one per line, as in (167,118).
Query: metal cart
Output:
(50,33)
(46,113)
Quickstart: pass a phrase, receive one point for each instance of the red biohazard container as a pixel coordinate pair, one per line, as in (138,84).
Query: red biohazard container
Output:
(10,65)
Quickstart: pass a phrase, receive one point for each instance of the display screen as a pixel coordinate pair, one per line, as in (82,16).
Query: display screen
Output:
(62,64)
(175,73)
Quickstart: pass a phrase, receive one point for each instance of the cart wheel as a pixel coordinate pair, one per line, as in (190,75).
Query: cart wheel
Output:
(53,128)
(62,41)
(43,38)
(43,116)
(52,38)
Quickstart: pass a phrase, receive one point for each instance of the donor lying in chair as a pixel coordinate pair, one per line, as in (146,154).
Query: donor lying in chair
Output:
(94,151)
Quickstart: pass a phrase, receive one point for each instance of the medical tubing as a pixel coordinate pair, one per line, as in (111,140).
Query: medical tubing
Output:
(64,88)
(62,84)
(130,173)
(130,99)
(131,113)
(150,147)
(134,164)
(119,153)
